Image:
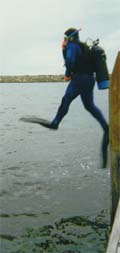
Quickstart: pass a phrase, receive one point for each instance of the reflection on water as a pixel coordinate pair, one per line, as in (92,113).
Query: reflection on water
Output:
(70,235)
(54,195)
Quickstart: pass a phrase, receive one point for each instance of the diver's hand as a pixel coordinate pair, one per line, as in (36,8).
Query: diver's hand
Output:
(67,78)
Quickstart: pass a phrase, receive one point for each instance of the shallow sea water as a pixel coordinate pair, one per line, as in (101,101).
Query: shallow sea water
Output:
(54,195)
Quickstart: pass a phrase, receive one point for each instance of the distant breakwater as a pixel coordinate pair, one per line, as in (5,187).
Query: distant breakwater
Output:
(31,78)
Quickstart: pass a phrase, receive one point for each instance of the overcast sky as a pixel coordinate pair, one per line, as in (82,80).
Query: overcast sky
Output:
(31,32)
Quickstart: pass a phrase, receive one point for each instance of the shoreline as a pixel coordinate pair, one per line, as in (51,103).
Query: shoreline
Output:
(31,78)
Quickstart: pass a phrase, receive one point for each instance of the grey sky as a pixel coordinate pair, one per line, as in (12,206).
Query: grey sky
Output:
(31,32)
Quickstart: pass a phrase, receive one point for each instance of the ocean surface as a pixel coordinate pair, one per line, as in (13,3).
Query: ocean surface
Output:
(54,195)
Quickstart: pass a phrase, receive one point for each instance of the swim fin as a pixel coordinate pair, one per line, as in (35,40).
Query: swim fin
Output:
(104,148)
(40,121)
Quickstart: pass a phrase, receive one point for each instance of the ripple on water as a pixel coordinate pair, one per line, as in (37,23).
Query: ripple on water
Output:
(13,168)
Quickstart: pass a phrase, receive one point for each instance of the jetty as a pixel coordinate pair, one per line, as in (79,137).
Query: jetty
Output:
(114,240)
(31,78)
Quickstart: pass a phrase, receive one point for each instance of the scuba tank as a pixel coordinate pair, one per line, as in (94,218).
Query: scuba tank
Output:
(100,65)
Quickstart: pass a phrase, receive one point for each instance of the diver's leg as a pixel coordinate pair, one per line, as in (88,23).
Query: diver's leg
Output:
(88,102)
(70,94)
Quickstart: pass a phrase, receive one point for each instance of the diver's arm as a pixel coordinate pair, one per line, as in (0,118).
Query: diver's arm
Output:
(70,59)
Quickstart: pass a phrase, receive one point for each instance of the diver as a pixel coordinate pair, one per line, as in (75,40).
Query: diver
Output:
(80,69)
(84,66)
